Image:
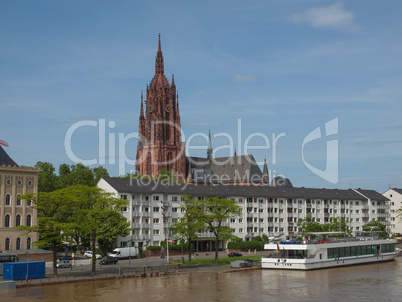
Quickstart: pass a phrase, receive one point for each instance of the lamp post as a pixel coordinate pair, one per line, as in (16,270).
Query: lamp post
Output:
(165,225)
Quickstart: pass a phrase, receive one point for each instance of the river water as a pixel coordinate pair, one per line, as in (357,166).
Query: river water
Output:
(373,282)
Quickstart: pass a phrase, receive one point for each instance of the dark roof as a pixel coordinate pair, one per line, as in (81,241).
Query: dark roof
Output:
(136,186)
(281,182)
(5,159)
(230,169)
(397,190)
(372,195)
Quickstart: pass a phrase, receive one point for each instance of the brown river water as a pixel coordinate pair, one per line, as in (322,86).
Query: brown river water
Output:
(373,282)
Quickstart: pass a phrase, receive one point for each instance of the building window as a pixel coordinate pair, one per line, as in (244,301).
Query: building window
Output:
(123,196)
(174,210)
(7,244)
(28,220)
(18,201)
(8,181)
(240,230)
(156,220)
(8,198)
(156,209)
(30,183)
(18,220)
(18,244)
(28,243)
(156,232)
(232,220)
(7,221)
(174,198)
(156,198)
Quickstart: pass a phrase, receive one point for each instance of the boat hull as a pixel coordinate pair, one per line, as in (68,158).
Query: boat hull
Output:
(307,264)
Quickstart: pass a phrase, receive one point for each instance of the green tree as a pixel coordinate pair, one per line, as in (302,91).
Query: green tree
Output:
(94,209)
(338,225)
(189,225)
(378,227)
(53,225)
(308,225)
(112,227)
(99,172)
(215,212)
(47,178)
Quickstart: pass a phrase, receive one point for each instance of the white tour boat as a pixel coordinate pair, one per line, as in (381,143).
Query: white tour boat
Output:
(326,252)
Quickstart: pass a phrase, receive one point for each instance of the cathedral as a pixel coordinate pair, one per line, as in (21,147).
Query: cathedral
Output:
(160,145)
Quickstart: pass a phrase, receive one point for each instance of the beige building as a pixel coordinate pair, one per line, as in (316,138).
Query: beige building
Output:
(15,181)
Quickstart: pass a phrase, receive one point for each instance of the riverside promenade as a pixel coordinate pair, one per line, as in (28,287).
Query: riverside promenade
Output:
(133,268)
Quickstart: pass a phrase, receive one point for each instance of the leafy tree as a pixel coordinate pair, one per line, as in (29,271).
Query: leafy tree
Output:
(215,212)
(338,225)
(53,225)
(94,209)
(99,172)
(112,227)
(376,226)
(75,175)
(47,178)
(308,225)
(189,225)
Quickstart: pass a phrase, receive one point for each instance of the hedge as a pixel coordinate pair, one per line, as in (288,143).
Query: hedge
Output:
(246,245)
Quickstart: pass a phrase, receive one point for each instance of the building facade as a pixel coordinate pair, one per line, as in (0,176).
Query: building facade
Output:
(16,181)
(273,211)
(395,197)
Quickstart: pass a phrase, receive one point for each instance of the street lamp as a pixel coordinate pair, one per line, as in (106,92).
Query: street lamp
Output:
(164,215)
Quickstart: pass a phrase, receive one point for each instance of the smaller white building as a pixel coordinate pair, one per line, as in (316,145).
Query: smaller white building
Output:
(395,197)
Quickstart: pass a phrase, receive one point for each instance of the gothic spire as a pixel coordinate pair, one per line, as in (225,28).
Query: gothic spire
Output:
(265,173)
(209,150)
(159,69)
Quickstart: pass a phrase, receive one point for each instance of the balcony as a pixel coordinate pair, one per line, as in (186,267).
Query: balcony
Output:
(140,202)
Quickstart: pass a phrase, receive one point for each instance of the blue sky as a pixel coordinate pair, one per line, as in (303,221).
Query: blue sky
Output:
(273,67)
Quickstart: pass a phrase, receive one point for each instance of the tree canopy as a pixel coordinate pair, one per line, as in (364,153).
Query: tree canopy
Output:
(69,175)
(335,224)
(377,227)
(75,212)
(189,225)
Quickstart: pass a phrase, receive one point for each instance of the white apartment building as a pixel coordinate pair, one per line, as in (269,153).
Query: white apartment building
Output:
(274,211)
(395,197)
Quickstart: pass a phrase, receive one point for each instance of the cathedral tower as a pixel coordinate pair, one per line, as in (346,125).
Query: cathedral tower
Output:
(160,144)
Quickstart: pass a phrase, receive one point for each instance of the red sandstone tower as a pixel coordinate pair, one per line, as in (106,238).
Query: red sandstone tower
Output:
(160,144)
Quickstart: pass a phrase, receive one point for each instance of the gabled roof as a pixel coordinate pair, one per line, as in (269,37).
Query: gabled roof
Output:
(230,169)
(372,195)
(397,190)
(5,159)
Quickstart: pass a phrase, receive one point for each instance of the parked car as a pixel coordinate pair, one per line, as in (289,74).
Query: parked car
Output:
(89,255)
(109,260)
(64,264)
(234,254)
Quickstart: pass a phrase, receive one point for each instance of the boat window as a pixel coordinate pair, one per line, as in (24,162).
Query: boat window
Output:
(347,251)
(330,253)
(352,251)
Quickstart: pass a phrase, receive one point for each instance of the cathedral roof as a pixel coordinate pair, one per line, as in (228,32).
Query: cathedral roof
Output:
(230,169)
(5,159)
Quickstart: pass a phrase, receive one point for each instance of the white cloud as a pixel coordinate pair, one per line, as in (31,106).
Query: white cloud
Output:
(333,16)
